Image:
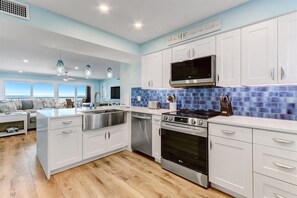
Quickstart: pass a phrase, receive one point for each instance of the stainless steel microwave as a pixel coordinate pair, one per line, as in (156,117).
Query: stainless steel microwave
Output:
(197,72)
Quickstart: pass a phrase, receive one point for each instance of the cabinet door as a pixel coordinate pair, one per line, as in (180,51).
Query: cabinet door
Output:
(287,49)
(156,70)
(117,137)
(204,47)
(65,147)
(94,143)
(156,142)
(230,165)
(228,53)
(259,53)
(145,72)
(167,60)
(181,53)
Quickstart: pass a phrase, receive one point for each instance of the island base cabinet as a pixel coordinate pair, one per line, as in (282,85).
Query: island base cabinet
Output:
(94,143)
(66,147)
(266,187)
(230,165)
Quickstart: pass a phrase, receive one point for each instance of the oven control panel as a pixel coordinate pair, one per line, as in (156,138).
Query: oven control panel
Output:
(184,120)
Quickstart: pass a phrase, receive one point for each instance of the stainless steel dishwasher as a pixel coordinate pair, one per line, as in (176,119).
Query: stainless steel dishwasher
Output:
(142,133)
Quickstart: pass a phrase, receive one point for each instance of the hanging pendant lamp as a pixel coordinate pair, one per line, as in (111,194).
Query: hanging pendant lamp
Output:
(88,71)
(60,67)
(109,73)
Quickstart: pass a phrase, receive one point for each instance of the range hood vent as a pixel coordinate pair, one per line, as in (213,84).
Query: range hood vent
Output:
(14,8)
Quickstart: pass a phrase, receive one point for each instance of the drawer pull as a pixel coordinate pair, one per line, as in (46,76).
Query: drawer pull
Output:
(228,132)
(283,165)
(283,141)
(279,196)
(67,132)
(67,122)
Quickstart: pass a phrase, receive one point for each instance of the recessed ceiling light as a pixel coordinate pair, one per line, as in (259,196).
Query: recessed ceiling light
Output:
(20,71)
(25,61)
(138,25)
(76,68)
(104,8)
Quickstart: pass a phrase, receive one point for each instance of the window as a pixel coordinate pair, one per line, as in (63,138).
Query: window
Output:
(81,91)
(43,91)
(17,89)
(66,91)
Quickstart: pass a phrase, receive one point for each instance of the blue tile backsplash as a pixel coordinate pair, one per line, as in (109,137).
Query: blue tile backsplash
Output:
(278,102)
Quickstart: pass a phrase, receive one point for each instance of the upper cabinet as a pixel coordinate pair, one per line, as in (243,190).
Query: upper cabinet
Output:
(287,48)
(167,59)
(196,49)
(228,51)
(259,53)
(151,71)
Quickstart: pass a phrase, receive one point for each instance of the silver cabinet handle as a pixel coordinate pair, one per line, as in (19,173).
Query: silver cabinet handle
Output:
(108,135)
(210,142)
(105,135)
(272,73)
(282,73)
(279,196)
(218,78)
(228,132)
(159,131)
(284,166)
(283,141)
(67,132)
(67,122)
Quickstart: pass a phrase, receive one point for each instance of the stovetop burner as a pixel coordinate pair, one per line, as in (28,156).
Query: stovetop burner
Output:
(199,113)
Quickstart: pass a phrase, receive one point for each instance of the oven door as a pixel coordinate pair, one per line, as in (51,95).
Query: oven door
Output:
(185,145)
(197,72)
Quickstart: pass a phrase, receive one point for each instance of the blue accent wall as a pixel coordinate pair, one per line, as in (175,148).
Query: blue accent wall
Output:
(278,102)
(243,15)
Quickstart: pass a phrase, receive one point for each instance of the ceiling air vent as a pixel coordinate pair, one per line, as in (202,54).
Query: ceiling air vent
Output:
(14,8)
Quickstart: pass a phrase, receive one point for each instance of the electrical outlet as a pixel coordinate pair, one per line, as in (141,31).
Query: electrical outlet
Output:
(138,98)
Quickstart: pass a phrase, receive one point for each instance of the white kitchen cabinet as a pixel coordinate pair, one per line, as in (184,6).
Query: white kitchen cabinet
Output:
(101,141)
(94,143)
(193,50)
(230,165)
(66,147)
(259,53)
(151,71)
(117,138)
(156,138)
(287,49)
(167,60)
(228,57)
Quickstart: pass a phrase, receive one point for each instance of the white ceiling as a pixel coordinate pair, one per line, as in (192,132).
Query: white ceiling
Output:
(158,16)
(42,51)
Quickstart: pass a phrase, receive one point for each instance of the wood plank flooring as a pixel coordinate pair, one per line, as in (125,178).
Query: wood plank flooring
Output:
(125,174)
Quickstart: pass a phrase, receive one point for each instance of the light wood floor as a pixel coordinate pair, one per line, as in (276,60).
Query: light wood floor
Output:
(121,175)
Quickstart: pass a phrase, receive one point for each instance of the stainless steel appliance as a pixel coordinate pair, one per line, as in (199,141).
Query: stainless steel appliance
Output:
(154,105)
(142,133)
(184,144)
(102,118)
(197,72)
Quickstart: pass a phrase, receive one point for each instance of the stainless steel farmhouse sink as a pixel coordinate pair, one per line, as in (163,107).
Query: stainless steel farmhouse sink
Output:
(102,118)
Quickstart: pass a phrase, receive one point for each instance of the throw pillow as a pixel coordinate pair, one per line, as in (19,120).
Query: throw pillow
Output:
(27,104)
(7,107)
(48,103)
(37,104)
(18,104)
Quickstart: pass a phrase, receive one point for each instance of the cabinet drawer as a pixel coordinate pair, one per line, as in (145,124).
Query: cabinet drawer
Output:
(156,119)
(266,187)
(276,139)
(231,132)
(66,122)
(277,163)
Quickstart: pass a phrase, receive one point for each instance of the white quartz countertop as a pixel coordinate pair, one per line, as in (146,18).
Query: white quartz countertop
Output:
(56,113)
(286,126)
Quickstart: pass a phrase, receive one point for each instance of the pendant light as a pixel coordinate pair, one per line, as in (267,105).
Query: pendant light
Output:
(60,67)
(109,73)
(88,71)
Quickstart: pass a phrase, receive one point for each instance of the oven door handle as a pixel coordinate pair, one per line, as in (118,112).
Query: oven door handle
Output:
(183,129)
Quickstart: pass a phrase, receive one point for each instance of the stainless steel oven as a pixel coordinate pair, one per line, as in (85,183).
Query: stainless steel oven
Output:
(197,72)
(184,151)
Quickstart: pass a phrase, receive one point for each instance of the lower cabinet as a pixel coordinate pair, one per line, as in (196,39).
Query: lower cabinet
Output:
(97,142)
(266,187)
(156,137)
(230,165)
(66,147)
